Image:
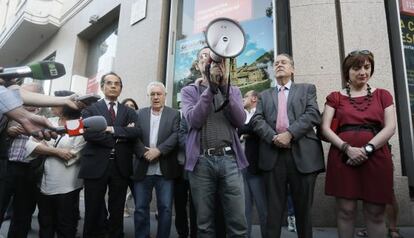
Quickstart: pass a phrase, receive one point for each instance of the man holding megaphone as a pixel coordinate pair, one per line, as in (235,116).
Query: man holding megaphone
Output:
(213,151)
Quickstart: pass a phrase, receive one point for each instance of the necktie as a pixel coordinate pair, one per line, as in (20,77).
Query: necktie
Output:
(282,121)
(112,111)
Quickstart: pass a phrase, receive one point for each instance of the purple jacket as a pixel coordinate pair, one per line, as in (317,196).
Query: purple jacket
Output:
(196,107)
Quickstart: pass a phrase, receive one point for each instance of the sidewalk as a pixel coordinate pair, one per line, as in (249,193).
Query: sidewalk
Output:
(319,232)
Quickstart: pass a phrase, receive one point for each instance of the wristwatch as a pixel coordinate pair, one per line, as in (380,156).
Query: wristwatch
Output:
(369,149)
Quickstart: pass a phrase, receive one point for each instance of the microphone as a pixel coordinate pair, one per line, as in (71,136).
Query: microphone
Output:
(42,70)
(78,126)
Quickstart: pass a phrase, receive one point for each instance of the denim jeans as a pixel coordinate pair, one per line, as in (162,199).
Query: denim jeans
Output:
(290,208)
(255,193)
(143,195)
(218,174)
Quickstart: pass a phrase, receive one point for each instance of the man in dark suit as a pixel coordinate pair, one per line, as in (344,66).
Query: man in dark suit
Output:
(254,188)
(290,152)
(106,161)
(158,166)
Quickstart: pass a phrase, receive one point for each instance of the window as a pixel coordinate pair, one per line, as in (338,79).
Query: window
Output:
(101,55)
(250,70)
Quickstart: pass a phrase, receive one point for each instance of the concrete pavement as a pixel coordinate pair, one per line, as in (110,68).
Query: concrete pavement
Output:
(320,232)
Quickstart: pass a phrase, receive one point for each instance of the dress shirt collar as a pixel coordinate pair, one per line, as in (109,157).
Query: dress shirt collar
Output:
(108,105)
(287,86)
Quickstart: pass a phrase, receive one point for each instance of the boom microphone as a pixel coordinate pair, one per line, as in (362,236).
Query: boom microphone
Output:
(42,70)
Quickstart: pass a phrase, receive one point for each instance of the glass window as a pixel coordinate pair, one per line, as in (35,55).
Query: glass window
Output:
(101,55)
(407,29)
(252,69)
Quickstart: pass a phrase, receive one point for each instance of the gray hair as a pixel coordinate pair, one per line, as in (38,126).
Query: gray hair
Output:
(155,84)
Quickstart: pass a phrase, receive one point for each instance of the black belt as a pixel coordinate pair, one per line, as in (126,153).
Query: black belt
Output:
(363,127)
(218,151)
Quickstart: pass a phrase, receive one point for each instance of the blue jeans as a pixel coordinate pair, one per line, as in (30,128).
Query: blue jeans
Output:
(290,208)
(255,193)
(218,175)
(143,196)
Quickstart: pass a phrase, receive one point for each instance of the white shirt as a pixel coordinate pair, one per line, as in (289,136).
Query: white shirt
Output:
(287,88)
(154,168)
(249,115)
(61,176)
(108,105)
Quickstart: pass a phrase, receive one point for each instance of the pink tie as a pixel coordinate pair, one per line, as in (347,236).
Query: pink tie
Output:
(282,121)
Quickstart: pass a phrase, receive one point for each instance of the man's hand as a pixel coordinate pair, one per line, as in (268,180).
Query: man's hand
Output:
(109,129)
(151,154)
(215,76)
(283,139)
(33,124)
(16,130)
(64,154)
(71,102)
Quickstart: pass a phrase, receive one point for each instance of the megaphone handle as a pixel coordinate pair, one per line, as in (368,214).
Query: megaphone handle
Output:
(227,100)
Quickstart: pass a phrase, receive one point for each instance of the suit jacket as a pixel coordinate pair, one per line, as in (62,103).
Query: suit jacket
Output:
(167,143)
(304,115)
(251,147)
(95,154)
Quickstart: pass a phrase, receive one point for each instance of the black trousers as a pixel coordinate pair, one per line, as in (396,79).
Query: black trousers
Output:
(96,225)
(24,190)
(58,214)
(6,189)
(301,188)
(182,197)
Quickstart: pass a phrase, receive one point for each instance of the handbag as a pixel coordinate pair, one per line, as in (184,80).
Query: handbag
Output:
(335,120)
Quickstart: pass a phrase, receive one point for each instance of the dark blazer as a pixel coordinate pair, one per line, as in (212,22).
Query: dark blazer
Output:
(95,155)
(304,115)
(167,143)
(251,147)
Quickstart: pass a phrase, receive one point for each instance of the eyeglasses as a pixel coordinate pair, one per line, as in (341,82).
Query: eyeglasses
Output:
(110,83)
(360,52)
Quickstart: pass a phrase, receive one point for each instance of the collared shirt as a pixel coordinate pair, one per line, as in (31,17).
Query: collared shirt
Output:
(9,99)
(154,168)
(17,151)
(286,91)
(287,88)
(249,115)
(108,105)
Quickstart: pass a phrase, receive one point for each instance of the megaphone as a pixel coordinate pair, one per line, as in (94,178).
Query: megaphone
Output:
(226,39)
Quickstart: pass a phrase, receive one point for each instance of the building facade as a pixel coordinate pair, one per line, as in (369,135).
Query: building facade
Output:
(144,40)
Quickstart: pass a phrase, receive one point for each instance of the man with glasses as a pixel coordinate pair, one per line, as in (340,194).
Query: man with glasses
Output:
(106,161)
(290,152)
(215,157)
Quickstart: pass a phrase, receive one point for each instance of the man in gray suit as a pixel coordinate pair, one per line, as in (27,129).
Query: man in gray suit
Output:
(158,164)
(289,151)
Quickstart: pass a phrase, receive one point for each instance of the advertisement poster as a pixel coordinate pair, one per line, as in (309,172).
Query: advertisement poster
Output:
(407,28)
(252,69)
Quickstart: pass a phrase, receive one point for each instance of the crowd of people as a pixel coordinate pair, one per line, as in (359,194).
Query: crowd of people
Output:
(260,150)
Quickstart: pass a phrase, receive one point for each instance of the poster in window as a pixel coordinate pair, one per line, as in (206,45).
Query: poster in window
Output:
(252,69)
(407,29)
